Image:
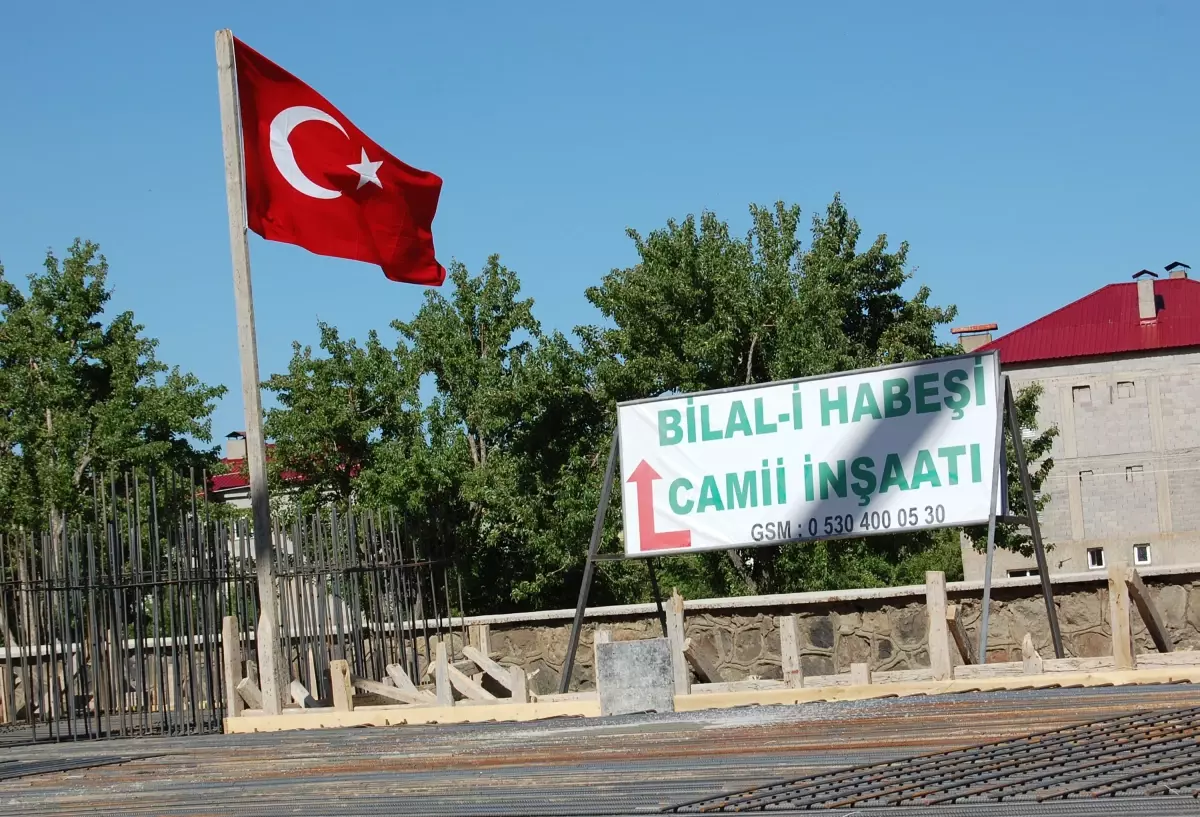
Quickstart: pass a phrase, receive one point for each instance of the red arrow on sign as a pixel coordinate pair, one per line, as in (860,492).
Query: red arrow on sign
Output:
(643,478)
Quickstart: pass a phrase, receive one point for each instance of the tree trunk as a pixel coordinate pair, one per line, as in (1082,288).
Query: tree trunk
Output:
(739,568)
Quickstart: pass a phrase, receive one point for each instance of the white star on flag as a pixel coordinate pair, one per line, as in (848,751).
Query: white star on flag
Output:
(367,171)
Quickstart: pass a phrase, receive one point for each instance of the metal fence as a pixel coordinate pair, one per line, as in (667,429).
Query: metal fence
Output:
(111,621)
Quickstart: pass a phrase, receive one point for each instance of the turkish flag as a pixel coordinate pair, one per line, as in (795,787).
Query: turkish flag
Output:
(315,180)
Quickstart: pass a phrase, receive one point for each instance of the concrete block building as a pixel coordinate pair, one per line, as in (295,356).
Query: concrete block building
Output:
(1120,370)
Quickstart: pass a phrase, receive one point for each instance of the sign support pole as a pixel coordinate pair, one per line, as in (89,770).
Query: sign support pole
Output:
(267,635)
(662,614)
(997,475)
(1030,521)
(589,569)
(1035,528)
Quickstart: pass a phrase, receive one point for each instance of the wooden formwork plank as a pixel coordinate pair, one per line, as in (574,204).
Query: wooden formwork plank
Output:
(789,651)
(406,696)
(689,703)
(939,635)
(1119,617)
(959,633)
(1159,633)
(400,715)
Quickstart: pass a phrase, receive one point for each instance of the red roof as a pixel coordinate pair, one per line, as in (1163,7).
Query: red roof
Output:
(238,478)
(1106,322)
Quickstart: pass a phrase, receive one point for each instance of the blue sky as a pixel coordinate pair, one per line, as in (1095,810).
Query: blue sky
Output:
(1029,152)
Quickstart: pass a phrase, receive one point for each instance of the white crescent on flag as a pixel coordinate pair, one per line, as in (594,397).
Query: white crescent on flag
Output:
(281,150)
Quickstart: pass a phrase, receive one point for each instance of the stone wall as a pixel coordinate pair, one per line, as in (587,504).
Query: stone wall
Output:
(884,628)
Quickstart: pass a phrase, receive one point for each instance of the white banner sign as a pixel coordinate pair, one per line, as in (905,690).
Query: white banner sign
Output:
(904,447)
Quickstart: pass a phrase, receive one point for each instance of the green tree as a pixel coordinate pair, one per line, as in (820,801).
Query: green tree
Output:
(332,411)
(703,309)
(80,397)
(510,432)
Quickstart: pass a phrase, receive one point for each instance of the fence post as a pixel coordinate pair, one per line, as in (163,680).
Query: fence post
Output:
(679,665)
(939,633)
(520,688)
(231,651)
(1118,609)
(343,687)
(789,651)
(445,693)
(479,636)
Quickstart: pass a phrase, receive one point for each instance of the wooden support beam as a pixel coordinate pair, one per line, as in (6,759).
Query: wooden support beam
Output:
(1118,617)
(469,687)
(679,665)
(498,673)
(939,635)
(343,688)
(445,692)
(400,678)
(520,685)
(462,665)
(789,650)
(705,672)
(404,696)
(1149,613)
(300,695)
(959,633)
(231,655)
(479,637)
(860,674)
(1031,661)
(249,692)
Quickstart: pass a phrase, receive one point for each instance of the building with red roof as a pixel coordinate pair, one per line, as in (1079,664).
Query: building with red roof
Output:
(233,487)
(1120,369)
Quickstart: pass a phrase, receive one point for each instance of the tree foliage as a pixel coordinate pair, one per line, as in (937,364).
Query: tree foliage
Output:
(705,310)
(80,396)
(491,434)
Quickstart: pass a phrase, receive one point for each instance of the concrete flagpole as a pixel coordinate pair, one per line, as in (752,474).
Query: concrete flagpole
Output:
(270,664)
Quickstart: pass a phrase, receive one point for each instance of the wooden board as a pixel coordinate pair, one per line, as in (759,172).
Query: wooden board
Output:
(398,716)
(400,678)
(692,703)
(939,632)
(343,688)
(467,685)
(1159,633)
(406,696)
(789,651)
(1119,617)
(959,633)
(498,673)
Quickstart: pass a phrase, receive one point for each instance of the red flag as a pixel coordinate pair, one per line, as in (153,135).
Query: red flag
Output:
(315,180)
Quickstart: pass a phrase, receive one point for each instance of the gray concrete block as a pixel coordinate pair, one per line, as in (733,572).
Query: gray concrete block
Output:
(635,676)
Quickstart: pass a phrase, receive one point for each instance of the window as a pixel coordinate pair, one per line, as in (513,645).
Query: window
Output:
(1133,473)
(1022,572)
(1124,388)
(1081,394)
(1095,558)
(1141,554)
